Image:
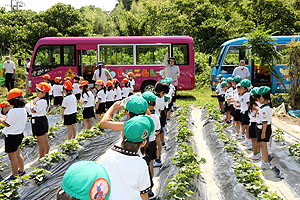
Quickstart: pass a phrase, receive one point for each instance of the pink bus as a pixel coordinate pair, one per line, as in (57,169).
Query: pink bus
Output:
(142,55)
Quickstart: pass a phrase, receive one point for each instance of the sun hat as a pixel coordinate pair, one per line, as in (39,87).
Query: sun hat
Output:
(4,104)
(246,83)
(168,81)
(138,128)
(46,76)
(100,63)
(115,80)
(237,79)
(130,74)
(223,84)
(57,79)
(109,83)
(149,96)
(100,82)
(263,90)
(87,180)
(229,80)
(136,104)
(219,77)
(68,85)
(83,83)
(125,80)
(254,90)
(14,93)
(43,86)
(223,79)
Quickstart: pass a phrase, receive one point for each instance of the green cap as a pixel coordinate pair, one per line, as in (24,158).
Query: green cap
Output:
(138,128)
(168,81)
(229,80)
(254,90)
(219,77)
(223,84)
(246,83)
(223,79)
(237,79)
(263,90)
(136,104)
(149,96)
(86,180)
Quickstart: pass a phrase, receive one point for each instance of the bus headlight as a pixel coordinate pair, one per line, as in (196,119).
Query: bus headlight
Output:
(29,84)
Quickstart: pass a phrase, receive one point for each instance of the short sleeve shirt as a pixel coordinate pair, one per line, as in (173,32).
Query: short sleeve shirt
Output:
(219,89)
(243,73)
(265,114)
(76,89)
(15,119)
(228,93)
(172,72)
(245,99)
(88,98)
(125,91)
(57,90)
(118,93)
(110,95)
(160,105)
(101,95)
(9,67)
(40,108)
(70,104)
(156,121)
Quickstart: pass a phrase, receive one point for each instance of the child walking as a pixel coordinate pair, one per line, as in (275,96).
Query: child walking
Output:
(264,123)
(39,108)
(69,109)
(87,102)
(220,94)
(126,89)
(76,90)
(100,99)
(57,92)
(110,95)
(14,123)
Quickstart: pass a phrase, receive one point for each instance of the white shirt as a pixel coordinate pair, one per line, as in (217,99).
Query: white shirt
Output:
(102,77)
(76,89)
(101,95)
(70,104)
(243,73)
(128,175)
(157,126)
(88,98)
(245,99)
(265,115)
(51,89)
(160,105)
(16,119)
(118,93)
(132,84)
(57,90)
(110,95)
(9,67)
(219,89)
(27,68)
(236,97)
(253,116)
(228,93)
(125,91)
(40,108)
(234,92)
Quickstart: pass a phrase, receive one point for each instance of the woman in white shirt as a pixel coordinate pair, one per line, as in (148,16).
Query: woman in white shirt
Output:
(87,102)
(100,99)
(110,95)
(101,73)
(39,108)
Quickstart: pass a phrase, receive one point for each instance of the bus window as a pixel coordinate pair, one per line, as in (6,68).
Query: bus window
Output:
(46,59)
(88,63)
(283,58)
(232,58)
(151,54)
(69,56)
(180,53)
(117,55)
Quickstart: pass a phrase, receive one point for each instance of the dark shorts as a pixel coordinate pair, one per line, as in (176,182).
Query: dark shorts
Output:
(163,118)
(12,142)
(58,101)
(130,93)
(221,98)
(232,110)
(101,108)
(109,104)
(39,125)
(252,130)
(151,150)
(245,119)
(170,105)
(88,112)
(78,95)
(226,107)
(70,119)
(237,115)
(268,134)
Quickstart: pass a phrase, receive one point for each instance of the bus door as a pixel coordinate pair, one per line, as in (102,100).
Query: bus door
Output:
(261,76)
(87,63)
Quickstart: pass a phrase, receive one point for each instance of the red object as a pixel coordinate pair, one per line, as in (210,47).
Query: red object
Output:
(68,79)
(125,80)
(130,74)
(83,83)
(68,85)
(46,76)
(43,86)
(109,83)
(100,82)
(57,79)
(4,104)
(13,93)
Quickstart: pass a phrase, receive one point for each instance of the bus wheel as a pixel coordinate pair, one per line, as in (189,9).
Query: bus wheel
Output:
(148,86)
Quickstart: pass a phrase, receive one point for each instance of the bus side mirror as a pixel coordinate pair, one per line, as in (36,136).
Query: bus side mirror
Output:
(209,61)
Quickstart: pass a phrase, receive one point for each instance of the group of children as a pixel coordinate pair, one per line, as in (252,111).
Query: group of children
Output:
(154,107)
(249,110)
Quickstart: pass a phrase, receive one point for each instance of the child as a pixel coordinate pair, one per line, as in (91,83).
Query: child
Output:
(128,172)
(161,89)
(253,110)
(5,106)
(85,180)
(57,92)
(87,102)
(110,95)
(130,76)
(170,95)
(228,98)
(235,95)
(245,102)
(68,79)
(39,108)
(69,109)
(264,129)
(47,79)
(237,113)
(117,90)
(14,123)
(220,94)
(126,89)
(100,99)
(151,150)
(76,90)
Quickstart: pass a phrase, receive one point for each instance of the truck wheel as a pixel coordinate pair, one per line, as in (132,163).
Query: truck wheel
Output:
(148,86)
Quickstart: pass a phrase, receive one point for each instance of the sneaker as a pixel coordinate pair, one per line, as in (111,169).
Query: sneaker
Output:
(163,143)
(259,155)
(151,194)
(265,166)
(21,173)
(253,157)
(157,163)
(249,146)
(11,178)
(241,137)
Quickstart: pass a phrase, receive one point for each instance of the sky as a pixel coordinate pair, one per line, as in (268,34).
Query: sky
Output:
(42,5)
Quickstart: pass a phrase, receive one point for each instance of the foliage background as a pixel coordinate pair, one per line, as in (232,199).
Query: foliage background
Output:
(209,22)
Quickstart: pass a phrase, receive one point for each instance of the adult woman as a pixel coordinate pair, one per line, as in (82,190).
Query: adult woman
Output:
(101,73)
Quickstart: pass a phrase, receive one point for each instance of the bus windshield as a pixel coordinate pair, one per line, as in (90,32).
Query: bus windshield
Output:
(218,57)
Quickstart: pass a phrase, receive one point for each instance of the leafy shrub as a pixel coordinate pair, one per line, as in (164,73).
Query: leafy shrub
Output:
(52,131)
(278,135)
(294,149)
(69,147)
(28,141)
(54,157)
(39,175)
(10,189)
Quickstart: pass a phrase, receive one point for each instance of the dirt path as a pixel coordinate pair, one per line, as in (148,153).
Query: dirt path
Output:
(207,168)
